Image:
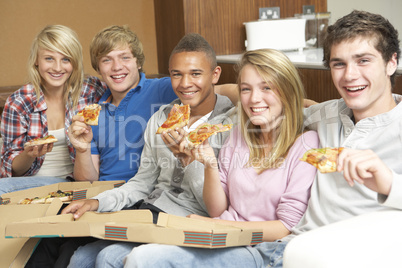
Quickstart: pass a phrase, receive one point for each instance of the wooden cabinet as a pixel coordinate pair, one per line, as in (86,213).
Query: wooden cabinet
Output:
(220,22)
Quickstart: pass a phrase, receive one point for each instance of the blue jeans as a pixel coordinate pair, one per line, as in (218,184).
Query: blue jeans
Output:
(268,254)
(12,184)
(102,253)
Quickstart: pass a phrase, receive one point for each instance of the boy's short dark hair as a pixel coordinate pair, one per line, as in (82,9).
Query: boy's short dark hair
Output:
(114,37)
(364,24)
(193,42)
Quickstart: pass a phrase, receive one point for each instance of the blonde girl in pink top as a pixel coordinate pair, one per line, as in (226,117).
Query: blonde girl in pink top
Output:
(261,182)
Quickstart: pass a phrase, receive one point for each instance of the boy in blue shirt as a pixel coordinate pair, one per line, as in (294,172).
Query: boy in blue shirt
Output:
(112,149)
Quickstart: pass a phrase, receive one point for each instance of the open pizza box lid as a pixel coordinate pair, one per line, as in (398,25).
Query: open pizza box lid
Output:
(16,252)
(81,190)
(137,226)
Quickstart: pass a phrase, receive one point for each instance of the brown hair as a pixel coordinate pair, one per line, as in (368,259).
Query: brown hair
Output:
(364,24)
(114,37)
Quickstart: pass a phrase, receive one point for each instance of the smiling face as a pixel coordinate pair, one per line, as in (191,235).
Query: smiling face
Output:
(54,68)
(119,70)
(362,78)
(193,81)
(259,100)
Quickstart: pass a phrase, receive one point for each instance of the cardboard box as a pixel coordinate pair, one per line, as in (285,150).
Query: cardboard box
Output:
(137,226)
(16,252)
(10,248)
(81,190)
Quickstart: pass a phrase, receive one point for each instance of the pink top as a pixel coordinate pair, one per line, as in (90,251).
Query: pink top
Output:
(275,194)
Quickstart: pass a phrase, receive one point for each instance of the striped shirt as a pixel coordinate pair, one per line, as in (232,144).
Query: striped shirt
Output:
(24,118)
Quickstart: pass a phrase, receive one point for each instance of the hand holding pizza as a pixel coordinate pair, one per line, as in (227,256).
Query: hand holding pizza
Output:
(365,167)
(80,134)
(173,135)
(38,150)
(205,154)
(173,140)
(39,146)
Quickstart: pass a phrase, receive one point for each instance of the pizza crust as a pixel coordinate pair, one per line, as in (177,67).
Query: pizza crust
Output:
(40,141)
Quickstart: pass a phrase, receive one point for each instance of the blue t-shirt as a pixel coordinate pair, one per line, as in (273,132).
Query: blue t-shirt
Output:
(118,138)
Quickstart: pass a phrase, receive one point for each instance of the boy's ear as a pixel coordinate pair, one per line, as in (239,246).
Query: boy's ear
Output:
(392,65)
(216,73)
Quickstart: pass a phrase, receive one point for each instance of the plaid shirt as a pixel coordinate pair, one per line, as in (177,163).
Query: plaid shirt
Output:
(24,118)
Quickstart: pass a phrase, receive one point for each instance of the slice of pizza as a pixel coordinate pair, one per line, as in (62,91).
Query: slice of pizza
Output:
(203,132)
(25,201)
(38,200)
(324,159)
(91,114)
(39,141)
(64,196)
(35,200)
(60,193)
(177,117)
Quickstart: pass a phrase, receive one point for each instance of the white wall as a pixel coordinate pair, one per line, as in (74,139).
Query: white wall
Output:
(390,9)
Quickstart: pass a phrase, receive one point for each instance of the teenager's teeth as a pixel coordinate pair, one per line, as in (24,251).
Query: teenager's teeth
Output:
(188,93)
(56,75)
(355,88)
(118,76)
(257,110)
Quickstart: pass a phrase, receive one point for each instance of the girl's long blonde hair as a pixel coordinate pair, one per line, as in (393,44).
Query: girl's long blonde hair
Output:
(278,71)
(61,39)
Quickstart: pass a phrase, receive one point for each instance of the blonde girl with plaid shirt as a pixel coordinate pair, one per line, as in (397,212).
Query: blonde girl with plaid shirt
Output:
(55,91)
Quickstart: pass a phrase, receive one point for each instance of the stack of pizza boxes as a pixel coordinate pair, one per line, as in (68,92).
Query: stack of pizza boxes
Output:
(15,252)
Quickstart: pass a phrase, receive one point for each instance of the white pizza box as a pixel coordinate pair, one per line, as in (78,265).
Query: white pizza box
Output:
(137,226)
(81,190)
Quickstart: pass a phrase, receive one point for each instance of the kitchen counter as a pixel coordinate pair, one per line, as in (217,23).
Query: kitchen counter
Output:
(310,58)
